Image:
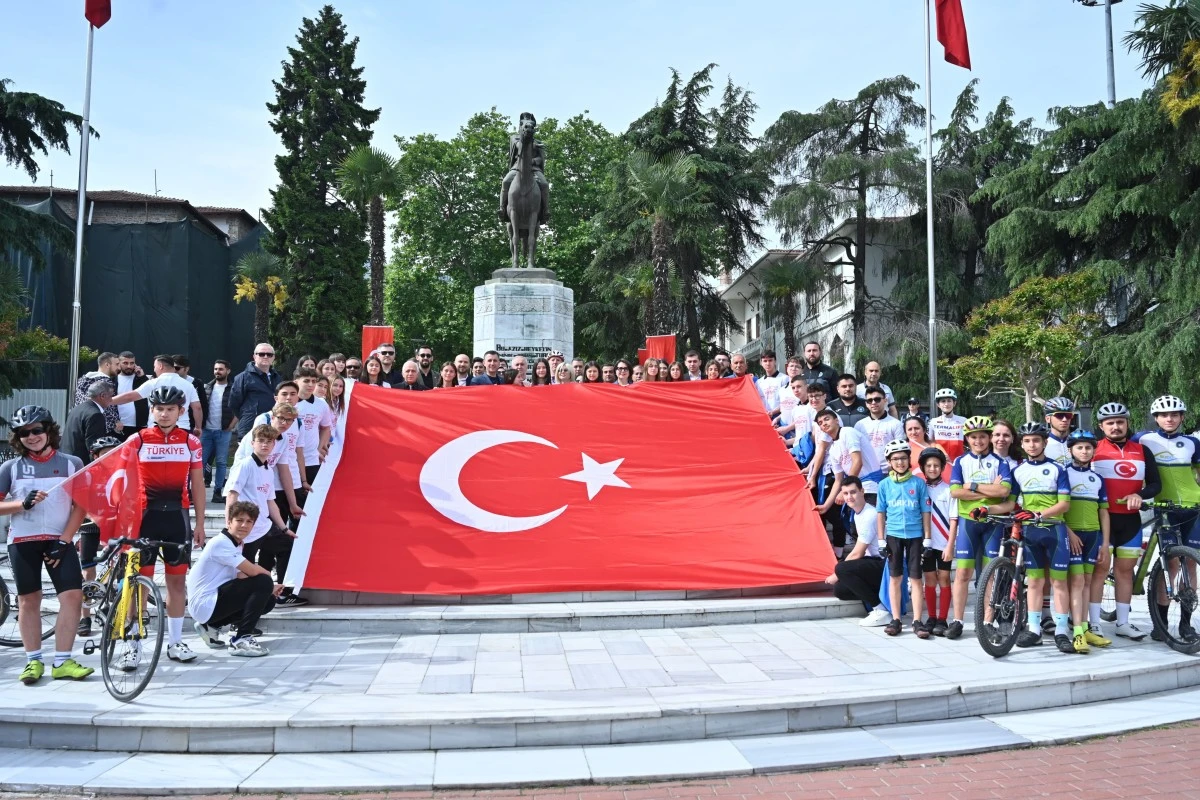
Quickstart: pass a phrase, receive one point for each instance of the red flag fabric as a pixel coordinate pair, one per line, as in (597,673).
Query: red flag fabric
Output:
(375,335)
(110,491)
(952,32)
(498,490)
(661,347)
(97,12)
(642,355)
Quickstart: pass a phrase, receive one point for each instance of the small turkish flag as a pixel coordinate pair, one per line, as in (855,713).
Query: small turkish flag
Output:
(109,490)
(952,32)
(497,490)
(97,12)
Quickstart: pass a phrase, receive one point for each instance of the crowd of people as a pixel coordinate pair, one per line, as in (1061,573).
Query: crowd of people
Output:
(905,484)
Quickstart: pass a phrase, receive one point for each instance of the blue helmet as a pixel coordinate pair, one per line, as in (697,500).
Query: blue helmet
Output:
(1081,435)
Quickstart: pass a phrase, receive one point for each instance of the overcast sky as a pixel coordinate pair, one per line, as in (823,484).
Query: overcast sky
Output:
(180,87)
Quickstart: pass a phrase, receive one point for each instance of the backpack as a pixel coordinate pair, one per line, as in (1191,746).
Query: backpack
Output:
(804,449)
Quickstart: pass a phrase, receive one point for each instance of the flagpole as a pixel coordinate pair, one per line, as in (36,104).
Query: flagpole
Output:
(85,131)
(929,216)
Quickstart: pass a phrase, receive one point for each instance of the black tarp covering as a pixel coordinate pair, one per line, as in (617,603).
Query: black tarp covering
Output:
(150,288)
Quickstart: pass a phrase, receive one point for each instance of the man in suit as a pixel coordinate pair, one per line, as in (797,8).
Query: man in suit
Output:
(86,422)
(491,371)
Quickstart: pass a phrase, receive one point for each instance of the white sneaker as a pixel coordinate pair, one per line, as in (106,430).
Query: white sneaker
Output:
(180,652)
(209,636)
(1130,631)
(247,646)
(878,617)
(131,659)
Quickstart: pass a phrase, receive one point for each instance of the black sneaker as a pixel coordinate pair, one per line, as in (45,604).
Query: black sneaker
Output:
(1186,631)
(218,498)
(1048,625)
(893,628)
(1156,635)
(1029,639)
(291,601)
(954,629)
(1063,643)
(85,627)
(939,627)
(920,630)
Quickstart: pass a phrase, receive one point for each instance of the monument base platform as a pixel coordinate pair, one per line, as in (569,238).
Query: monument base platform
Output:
(524,312)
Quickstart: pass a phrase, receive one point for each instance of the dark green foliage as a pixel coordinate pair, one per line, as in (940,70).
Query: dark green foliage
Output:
(319,116)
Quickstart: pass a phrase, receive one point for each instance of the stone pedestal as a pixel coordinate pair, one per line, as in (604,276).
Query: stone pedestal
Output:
(524,312)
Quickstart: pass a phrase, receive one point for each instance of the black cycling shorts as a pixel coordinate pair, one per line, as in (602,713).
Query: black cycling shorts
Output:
(1123,529)
(27,560)
(89,542)
(168,525)
(932,561)
(900,551)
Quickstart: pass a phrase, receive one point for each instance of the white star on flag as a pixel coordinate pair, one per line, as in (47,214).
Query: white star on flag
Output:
(597,475)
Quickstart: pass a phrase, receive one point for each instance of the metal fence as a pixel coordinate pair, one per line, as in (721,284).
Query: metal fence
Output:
(54,400)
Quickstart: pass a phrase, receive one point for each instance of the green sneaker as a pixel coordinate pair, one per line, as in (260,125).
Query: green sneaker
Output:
(33,672)
(71,670)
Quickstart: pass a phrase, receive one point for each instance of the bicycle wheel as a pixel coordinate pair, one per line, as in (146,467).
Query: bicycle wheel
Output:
(1174,621)
(10,631)
(128,657)
(999,607)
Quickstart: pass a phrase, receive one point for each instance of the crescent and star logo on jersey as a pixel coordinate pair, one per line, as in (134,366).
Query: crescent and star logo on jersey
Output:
(1124,469)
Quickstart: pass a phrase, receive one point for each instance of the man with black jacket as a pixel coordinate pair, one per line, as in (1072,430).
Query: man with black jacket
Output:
(253,390)
(218,426)
(106,370)
(814,369)
(136,415)
(85,424)
(491,371)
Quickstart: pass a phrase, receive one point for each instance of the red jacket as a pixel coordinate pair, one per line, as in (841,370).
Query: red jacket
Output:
(1127,468)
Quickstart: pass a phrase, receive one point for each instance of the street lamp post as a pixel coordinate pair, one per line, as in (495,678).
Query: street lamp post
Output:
(1112,76)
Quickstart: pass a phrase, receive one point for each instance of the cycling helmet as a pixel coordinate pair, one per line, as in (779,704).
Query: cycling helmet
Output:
(102,442)
(166,396)
(28,415)
(978,424)
(1166,404)
(1059,404)
(931,452)
(1111,411)
(1034,429)
(896,446)
(1081,435)
(945,394)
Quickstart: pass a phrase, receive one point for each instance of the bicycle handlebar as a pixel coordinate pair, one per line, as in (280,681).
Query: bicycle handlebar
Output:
(1169,505)
(140,544)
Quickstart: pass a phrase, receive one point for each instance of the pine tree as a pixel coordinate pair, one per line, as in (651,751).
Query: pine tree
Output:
(320,118)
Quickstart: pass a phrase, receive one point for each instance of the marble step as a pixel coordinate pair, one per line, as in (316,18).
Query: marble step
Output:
(143,773)
(580,615)
(255,715)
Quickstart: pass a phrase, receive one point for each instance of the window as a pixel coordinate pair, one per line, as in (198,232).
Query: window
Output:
(811,298)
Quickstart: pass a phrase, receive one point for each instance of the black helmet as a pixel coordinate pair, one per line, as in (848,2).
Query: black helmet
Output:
(166,396)
(101,442)
(28,415)
(931,452)
(1034,429)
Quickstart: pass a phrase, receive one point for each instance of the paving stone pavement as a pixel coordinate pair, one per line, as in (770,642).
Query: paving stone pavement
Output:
(1148,763)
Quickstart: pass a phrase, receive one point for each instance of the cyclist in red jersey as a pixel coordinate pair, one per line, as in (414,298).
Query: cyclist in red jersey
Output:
(1130,476)
(170,468)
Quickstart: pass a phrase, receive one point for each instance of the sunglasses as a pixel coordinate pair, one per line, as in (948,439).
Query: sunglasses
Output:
(874,399)
(30,432)
(1064,415)
(387,352)
(265,355)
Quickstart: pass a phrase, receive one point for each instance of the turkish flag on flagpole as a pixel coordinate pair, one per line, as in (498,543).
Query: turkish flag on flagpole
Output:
(109,489)
(661,347)
(499,490)
(97,12)
(952,32)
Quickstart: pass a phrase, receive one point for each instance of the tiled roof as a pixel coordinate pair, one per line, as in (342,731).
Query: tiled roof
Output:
(99,195)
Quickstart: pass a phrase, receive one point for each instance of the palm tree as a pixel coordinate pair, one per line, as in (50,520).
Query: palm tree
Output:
(781,282)
(1161,34)
(365,178)
(666,189)
(258,276)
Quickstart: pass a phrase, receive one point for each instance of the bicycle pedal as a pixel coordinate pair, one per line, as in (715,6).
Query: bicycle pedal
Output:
(89,647)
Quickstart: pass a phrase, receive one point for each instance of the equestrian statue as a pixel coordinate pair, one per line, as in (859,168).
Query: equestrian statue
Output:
(525,194)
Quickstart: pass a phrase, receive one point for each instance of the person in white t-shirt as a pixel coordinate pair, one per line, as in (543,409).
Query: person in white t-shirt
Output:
(860,574)
(165,375)
(872,372)
(772,383)
(943,519)
(793,401)
(316,424)
(879,427)
(225,588)
(850,453)
(250,480)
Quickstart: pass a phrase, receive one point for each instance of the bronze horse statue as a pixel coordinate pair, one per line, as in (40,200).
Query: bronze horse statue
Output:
(524,200)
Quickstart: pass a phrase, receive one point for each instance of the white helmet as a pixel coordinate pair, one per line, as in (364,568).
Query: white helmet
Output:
(946,394)
(1111,411)
(1166,404)
(896,446)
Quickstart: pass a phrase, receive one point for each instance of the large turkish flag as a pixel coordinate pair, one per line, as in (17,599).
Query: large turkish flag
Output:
(109,489)
(505,489)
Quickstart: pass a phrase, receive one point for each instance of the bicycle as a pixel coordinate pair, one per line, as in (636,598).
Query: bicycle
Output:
(1000,601)
(131,613)
(10,631)
(1173,579)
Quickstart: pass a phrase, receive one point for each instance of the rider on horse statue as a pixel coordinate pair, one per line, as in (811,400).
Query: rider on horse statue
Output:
(539,164)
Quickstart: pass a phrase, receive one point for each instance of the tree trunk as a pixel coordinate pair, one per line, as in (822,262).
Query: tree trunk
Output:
(788,315)
(660,254)
(858,315)
(690,263)
(376,223)
(262,314)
